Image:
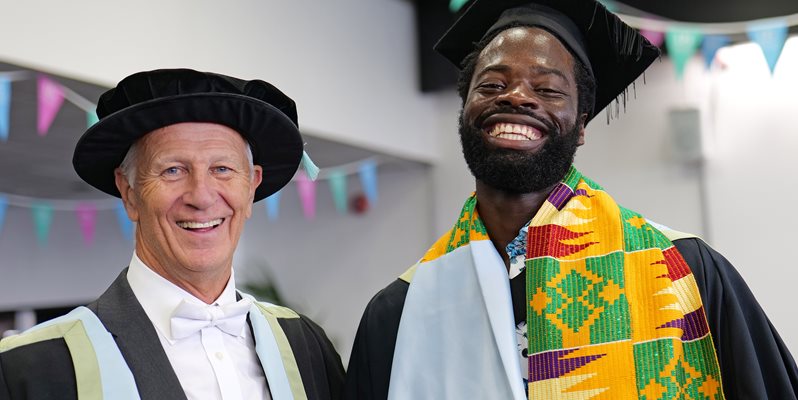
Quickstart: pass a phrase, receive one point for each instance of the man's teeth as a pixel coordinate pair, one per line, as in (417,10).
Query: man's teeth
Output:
(514,132)
(199,225)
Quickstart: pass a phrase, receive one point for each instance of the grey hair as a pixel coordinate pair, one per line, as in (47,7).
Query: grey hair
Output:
(128,165)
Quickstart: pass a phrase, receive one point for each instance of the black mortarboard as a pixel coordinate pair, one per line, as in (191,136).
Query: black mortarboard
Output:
(146,101)
(614,52)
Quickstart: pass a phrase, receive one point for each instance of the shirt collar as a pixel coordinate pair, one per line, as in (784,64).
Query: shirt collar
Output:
(516,250)
(159,297)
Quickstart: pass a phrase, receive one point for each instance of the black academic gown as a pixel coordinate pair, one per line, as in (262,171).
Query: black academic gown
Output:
(754,362)
(44,370)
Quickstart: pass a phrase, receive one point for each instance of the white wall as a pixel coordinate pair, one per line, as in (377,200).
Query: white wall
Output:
(329,268)
(748,124)
(349,64)
(64,271)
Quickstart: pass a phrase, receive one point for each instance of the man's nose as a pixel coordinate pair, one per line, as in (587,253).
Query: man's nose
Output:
(200,192)
(518,96)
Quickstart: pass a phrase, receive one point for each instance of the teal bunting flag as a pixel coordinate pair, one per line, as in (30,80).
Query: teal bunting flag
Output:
(91,118)
(338,189)
(771,37)
(682,43)
(456,5)
(609,4)
(42,218)
(5,108)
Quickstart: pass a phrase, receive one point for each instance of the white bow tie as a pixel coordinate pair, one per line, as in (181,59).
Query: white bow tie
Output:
(190,318)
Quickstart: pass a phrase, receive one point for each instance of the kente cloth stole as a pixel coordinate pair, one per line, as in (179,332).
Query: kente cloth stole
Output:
(613,310)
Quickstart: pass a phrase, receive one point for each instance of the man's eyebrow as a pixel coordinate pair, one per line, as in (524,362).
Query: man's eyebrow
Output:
(503,68)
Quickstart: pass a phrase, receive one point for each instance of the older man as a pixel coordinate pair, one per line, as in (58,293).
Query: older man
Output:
(188,152)
(546,288)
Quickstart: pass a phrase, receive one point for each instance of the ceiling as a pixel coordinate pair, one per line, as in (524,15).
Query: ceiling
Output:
(40,167)
(711,11)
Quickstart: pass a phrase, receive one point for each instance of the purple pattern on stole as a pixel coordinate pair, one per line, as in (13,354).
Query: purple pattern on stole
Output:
(693,325)
(560,195)
(551,364)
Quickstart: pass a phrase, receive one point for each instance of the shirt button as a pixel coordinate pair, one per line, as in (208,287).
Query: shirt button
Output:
(219,355)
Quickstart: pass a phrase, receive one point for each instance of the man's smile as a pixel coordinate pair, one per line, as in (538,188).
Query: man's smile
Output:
(517,127)
(200,226)
(514,132)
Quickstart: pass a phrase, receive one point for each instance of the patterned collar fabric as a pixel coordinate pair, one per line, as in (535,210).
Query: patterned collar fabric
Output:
(613,310)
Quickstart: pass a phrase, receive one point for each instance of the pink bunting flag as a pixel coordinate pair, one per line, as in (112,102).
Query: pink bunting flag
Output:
(307,195)
(51,96)
(655,37)
(87,216)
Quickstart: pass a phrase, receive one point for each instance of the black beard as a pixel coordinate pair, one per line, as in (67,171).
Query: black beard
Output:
(515,171)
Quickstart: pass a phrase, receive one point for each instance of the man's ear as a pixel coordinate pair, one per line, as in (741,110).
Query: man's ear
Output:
(581,121)
(128,197)
(257,178)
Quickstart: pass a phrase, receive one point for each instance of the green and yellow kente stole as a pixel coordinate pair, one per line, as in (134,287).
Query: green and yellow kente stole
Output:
(613,310)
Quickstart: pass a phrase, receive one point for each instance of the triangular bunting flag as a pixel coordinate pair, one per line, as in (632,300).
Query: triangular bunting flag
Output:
(307,195)
(87,216)
(51,96)
(125,224)
(368,178)
(3,207)
(338,189)
(91,118)
(711,45)
(5,107)
(42,218)
(655,37)
(682,43)
(273,206)
(456,5)
(770,37)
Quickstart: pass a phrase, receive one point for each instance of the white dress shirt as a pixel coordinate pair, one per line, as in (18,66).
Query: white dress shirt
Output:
(210,364)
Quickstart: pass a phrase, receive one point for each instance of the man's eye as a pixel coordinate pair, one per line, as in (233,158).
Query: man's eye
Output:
(549,91)
(491,86)
(222,169)
(171,171)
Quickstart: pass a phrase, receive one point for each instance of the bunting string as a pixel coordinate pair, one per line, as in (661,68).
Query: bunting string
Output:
(51,94)
(707,28)
(684,39)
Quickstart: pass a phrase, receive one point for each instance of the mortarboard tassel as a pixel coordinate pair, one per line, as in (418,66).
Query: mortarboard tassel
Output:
(310,168)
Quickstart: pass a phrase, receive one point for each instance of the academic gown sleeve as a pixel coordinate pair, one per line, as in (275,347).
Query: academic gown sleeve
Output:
(319,364)
(754,362)
(369,371)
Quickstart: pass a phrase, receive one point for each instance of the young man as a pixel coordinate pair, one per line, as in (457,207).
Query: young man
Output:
(546,288)
(188,152)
